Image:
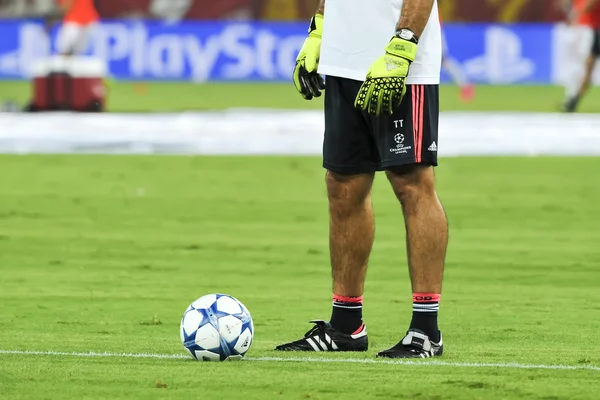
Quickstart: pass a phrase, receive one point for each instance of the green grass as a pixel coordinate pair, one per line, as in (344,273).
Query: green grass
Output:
(101,253)
(170,96)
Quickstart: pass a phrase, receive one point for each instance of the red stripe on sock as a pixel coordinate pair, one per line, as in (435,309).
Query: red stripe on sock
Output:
(360,328)
(346,299)
(426,297)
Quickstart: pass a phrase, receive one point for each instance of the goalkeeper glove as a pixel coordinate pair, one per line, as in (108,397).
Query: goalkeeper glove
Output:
(385,85)
(306,79)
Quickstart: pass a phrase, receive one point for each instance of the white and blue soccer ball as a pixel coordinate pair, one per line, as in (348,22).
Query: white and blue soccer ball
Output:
(217,327)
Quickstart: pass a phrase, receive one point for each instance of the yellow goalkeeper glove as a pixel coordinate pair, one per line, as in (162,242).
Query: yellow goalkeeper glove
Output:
(385,85)
(306,78)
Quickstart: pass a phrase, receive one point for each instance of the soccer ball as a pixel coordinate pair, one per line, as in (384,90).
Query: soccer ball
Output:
(217,327)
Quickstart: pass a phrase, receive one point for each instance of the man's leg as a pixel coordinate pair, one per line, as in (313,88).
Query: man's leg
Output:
(351,232)
(426,242)
(590,65)
(458,76)
(408,144)
(351,157)
(573,100)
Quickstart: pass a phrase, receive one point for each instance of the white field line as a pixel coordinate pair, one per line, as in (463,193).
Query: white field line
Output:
(425,363)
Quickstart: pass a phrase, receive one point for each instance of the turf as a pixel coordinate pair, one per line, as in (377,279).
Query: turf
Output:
(178,96)
(101,253)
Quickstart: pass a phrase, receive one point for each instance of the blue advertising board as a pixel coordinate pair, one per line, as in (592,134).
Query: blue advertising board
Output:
(503,54)
(222,51)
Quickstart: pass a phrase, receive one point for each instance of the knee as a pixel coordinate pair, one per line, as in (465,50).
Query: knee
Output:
(347,190)
(413,183)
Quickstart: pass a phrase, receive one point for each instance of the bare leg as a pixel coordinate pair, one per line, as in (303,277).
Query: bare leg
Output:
(426,241)
(426,226)
(590,64)
(351,231)
(572,103)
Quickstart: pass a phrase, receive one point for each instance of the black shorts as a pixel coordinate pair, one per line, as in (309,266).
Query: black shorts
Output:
(596,43)
(357,143)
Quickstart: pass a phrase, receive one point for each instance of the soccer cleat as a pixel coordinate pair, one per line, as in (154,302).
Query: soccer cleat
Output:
(415,344)
(570,105)
(467,93)
(323,337)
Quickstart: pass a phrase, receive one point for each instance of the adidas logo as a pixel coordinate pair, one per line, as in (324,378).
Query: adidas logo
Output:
(433,147)
(391,64)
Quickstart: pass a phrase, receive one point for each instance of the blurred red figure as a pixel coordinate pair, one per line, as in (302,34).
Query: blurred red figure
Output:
(80,19)
(454,69)
(584,16)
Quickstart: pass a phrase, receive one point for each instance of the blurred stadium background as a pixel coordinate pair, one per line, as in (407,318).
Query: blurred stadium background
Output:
(183,55)
(102,254)
(513,44)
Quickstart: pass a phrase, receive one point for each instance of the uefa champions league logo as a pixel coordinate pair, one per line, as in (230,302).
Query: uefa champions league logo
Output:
(400,147)
(399,138)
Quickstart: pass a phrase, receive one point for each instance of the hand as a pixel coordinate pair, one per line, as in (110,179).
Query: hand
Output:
(385,86)
(307,80)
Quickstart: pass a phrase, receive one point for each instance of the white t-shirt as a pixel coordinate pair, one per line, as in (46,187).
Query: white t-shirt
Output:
(355,33)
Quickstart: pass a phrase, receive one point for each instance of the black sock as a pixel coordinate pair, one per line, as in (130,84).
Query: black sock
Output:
(425,314)
(346,316)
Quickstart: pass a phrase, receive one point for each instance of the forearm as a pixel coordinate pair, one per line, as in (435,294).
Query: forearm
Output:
(414,15)
(321,8)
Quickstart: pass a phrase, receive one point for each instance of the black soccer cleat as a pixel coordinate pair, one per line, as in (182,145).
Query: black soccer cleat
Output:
(570,106)
(323,337)
(415,344)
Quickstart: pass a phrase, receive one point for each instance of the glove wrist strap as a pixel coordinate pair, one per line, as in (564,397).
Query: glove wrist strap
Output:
(316,26)
(402,48)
